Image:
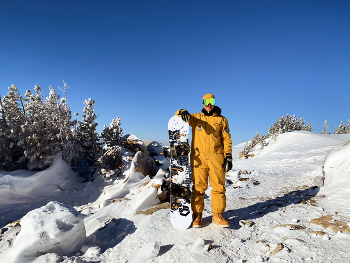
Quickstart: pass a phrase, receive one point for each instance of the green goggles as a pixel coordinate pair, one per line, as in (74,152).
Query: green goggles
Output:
(210,101)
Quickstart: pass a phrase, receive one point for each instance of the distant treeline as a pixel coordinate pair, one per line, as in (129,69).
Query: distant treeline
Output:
(286,124)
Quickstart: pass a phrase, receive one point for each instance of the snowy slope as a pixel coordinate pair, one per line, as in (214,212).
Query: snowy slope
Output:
(277,214)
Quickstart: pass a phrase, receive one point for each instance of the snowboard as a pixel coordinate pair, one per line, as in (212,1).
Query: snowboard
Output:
(180,192)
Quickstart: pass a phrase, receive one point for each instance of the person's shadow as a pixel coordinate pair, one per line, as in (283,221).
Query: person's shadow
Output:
(111,234)
(262,208)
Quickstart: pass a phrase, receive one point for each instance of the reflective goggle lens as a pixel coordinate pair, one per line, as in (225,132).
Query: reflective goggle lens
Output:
(211,101)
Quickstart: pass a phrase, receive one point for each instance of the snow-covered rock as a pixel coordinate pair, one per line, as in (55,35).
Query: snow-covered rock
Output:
(154,148)
(134,144)
(144,164)
(198,246)
(55,228)
(48,258)
(148,251)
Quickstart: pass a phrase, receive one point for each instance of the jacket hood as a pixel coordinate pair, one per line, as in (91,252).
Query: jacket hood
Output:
(216,110)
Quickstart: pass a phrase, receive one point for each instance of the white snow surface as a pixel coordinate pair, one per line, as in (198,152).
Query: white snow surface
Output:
(271,199)
(54,228)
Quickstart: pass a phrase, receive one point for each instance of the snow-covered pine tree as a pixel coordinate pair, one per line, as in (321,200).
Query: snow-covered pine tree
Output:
(5,153)
(308,127)
(37,144)
(33,131)
(263,141)
(247,149)
(341,129)
(287,126)
(287,123)
(49,128)
(325,128)
(295,124)
(66,127)
(259,140)
(11,135)
(111,135)
(272,132)
(280,125)
(88,140)
(251,146)
(347,127)
(254,141)
(301,125)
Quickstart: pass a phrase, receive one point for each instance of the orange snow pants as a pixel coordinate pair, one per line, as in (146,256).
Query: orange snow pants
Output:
(217,182)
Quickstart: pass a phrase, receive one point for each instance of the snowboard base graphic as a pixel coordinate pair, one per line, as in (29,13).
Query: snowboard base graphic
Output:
(180,192)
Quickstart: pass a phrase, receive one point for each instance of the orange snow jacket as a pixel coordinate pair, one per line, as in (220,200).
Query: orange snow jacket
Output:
(210,134)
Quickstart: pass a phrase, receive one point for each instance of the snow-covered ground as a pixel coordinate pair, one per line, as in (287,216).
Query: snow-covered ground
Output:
(276,210)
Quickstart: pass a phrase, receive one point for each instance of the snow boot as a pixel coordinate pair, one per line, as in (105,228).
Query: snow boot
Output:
(220,220)
(197,220)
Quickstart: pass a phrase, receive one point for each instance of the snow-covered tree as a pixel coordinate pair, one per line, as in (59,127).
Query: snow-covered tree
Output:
(11,134)
(34,130)
(308,127)
(251,146)
(273,132)
(347,127)
(301,123)
(341,129)
(288,123)
(259,140)
(111,135)
(49,127)
(88,141)
(247,149)
(295,124)
(40,129)
(325,128)
(283,124)
(280,124)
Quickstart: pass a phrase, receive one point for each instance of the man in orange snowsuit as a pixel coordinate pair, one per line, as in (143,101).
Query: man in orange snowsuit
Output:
(211,152)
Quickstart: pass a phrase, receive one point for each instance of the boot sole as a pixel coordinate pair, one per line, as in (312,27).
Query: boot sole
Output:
(196,226)
(221,225)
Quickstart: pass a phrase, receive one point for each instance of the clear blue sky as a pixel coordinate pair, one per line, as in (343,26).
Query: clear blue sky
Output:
(143,60)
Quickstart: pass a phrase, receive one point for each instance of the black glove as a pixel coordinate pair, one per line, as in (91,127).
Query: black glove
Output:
(227,162)
(185,115)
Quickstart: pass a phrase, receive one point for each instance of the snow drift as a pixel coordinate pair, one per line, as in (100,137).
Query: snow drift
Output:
(337,180)
(54,228)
